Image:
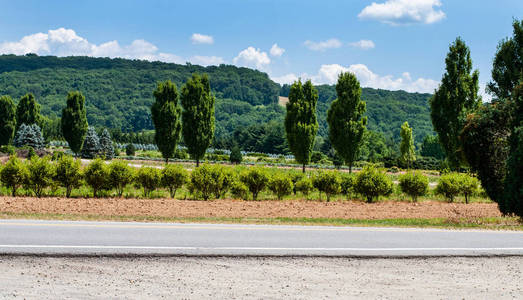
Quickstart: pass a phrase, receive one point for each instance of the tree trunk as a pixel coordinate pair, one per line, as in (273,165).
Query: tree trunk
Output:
(303,168)
(14,191)
(197,162)
(466,199)
(350,168)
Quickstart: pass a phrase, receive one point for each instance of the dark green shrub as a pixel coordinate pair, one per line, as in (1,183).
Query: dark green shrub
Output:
(120,175)
(469,186)
(173,178)
(57,155)
(347,185)
(449,186)
(304,186)
(236,155)
(327,182)
(40,174)
(280,184)
(414,184)
(13,174)
(393,170)
(8,149)
(239,190)
(149,179)
(255,179)
(207,181)
(31,153)
(317,156)
(97,176)
(68,173)
(130,150)
(372,183)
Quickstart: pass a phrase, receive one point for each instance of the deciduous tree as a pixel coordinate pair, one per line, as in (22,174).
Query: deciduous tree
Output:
(74,121)
(7,120)
(27,111)
(408,154)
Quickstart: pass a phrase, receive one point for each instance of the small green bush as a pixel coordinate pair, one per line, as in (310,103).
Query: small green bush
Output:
(236,155)
(97,176)
(149,179)
(414,184)
(239,190)
(295,177)
(68,173)
(120,175)
(8,149)
(372,183)
(207,181)
(304,186)
(256,179)
(449,186)
(13,174)
(469,186)
(327,182)
(130,150)
(347,185)
(280,184)
(40,174)
(173,178)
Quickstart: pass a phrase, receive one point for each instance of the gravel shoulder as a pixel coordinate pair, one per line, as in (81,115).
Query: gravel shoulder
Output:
(260,278)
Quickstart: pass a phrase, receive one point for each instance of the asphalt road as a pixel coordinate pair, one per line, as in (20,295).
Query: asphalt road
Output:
(107,238)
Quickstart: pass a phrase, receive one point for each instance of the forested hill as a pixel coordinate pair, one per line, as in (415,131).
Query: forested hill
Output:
(119,93)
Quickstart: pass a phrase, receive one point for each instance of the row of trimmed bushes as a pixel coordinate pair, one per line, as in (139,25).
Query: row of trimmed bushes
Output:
(216,181)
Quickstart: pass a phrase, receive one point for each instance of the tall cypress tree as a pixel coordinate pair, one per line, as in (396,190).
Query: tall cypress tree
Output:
(74,121)
(7,120)
(166,113)
(407,145)
(345,118)
(301,125)
(27,111)
(455,98)
(198,115)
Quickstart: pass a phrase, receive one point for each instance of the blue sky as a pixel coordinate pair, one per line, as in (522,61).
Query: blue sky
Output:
(390,44)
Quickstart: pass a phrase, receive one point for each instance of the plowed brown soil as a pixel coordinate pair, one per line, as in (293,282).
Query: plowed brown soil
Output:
(246,209)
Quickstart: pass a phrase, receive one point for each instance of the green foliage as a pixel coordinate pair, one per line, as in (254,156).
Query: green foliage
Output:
(304,186)
(372,182)
(198,115)
(449,186)
(301,125)
(280,184)
(120,175)
(106,145)
(345,118)
(239,190)
(130,150)
(173,178)
(507,67)
(469,186)
(236,155)
(166,116)
(68,173)
(13,174)
(414,184)
(347,184)
(27,111)
(30,136)
(96,175)
(207,181)
(74,121)
(407,145)
(149,178)
(431,147)
(255,179)
(91,146)
(7,120)
(40,174)
(327,182)
(456,97)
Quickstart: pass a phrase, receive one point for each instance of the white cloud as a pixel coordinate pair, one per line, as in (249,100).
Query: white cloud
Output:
(323,45)
(251,57)
(363,44)
(396,12)
(328,74)
(198,38)
(276,51)
(207,60)
(65,42)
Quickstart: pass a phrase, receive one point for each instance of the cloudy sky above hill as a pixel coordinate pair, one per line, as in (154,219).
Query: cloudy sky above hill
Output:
(388,44)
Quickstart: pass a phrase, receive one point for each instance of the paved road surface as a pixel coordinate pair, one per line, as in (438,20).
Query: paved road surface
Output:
(72,237)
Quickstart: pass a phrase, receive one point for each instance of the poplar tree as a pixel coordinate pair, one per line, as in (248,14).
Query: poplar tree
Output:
(7,120)
(345,118)
(74,121)
(27,111)
(301,125)
(197,115)
(166,113)
(407,145)
(456,97)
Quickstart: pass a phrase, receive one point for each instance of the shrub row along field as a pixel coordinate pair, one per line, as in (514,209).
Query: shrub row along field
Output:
(65,176)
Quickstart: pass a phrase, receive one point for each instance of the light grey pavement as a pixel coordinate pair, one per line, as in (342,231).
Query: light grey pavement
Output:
(74,237)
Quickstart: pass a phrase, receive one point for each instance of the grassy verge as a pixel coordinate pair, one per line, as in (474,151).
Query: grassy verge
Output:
(498,223)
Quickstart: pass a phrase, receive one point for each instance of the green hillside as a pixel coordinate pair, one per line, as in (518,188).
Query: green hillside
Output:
(119,93)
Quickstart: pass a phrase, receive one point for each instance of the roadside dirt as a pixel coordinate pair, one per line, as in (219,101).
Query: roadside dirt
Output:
(246,209)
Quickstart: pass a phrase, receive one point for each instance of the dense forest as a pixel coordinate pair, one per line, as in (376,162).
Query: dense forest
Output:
(119,95)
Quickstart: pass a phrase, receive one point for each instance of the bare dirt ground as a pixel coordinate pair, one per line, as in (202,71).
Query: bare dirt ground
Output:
(171,208)
(260,278)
